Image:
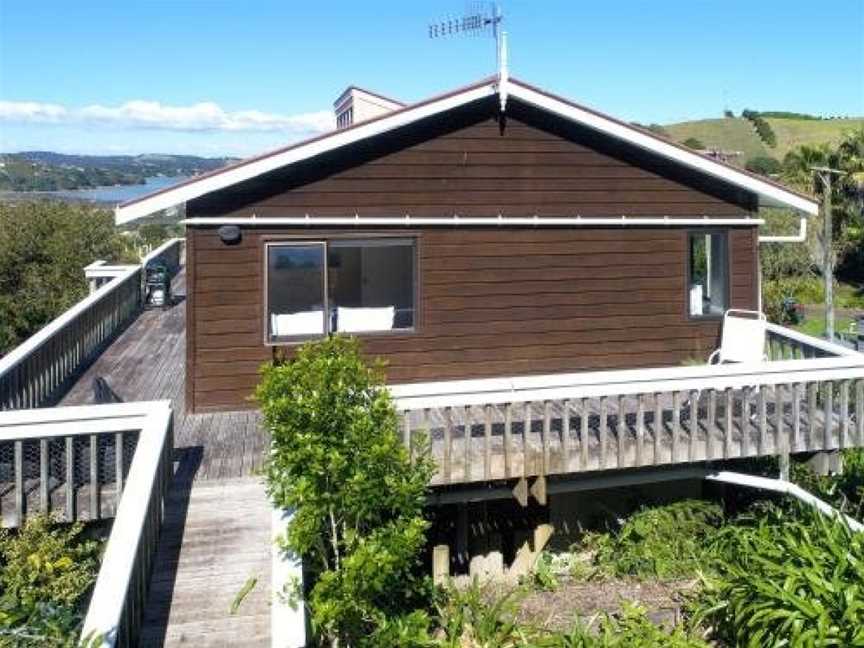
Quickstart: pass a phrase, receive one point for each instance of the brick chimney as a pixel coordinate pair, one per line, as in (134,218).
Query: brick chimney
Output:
(355,105)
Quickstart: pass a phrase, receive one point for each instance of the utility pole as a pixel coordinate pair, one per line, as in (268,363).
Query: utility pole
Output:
(824,174)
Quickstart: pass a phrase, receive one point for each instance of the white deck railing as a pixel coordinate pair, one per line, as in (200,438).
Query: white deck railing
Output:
(36,373)
(117,602)
(116,606)
(810,397)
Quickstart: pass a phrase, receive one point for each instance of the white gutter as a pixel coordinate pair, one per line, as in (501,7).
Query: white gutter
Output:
(800,237)
(528,221)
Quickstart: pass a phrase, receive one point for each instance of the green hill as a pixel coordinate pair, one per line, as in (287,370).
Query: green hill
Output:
(792,133)
(737,134)
(729,134)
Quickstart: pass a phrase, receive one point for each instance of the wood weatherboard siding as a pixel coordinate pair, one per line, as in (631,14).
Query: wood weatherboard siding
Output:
(468,164)
(492,302)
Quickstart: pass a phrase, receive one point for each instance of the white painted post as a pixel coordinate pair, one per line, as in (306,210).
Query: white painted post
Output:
(287,623)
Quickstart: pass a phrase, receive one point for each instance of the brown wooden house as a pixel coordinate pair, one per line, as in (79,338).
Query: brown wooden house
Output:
(497,230)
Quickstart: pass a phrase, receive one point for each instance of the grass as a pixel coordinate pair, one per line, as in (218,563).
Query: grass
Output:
(792,133)
(737,134)
(815,326)
(727,134)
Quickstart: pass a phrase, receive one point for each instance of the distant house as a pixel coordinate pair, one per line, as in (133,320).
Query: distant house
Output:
(495,230)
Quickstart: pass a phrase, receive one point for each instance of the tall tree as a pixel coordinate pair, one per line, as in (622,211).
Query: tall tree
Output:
(44,247)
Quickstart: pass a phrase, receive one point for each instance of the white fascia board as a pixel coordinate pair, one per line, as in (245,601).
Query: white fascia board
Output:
(246,171)
(776,196)
(455,221)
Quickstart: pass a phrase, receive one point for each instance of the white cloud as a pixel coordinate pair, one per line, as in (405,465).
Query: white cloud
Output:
(31,111)
(141,114)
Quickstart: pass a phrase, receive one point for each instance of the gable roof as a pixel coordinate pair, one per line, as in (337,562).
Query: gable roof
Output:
(770,193)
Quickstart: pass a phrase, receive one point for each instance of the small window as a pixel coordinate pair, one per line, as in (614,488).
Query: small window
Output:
(371,285)
(295,291)
(708,274)
(345,286)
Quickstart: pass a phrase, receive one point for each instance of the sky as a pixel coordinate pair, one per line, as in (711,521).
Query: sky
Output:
(235,77)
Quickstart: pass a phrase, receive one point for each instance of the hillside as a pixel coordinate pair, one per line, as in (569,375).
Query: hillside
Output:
(49,171)
(737,134)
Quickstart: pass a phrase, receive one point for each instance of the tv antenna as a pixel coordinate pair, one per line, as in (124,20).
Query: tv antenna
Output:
(480,19)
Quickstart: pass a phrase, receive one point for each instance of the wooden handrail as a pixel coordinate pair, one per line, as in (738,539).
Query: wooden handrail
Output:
(36,373)
(808,397)
(833,358)
(140,478)
(116,607)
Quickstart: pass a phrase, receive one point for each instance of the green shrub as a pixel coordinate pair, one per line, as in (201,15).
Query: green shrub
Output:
(44,247)
(774,293)
(845,491)
(630,629)
(693,143)
(662,542)
(477,616)
(45,571)
(785,580)
(763,165)
(337,460)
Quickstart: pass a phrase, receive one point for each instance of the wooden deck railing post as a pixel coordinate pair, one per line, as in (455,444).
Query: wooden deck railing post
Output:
(766,422)
(565,436)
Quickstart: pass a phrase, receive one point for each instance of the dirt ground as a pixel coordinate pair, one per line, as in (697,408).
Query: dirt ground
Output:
(582,600)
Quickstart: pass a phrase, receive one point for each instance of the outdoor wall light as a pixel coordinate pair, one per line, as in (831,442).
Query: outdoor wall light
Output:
(229,234)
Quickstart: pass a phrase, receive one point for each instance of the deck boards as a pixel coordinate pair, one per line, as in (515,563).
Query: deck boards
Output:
(206,550)
(206,553)
(147,362)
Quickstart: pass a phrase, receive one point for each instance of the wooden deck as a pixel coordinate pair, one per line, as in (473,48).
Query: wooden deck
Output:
(206,554)
(147,362)
(206,551)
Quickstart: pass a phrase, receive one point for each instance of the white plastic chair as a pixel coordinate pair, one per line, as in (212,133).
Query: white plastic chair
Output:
(742,338)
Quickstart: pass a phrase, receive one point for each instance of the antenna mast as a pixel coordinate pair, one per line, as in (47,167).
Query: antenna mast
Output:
(480,18)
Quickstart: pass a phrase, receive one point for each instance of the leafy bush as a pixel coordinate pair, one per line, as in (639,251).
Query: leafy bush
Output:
(336,459)
(774,294)
(785,581)
(630,629)
(663,542)
(476,616)
(46,571)
(693,143)
(845,492)
(44,247)
(763,165)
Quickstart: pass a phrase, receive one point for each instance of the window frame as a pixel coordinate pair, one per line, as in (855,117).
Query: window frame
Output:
(293,339)
(312,239)
(688,274)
